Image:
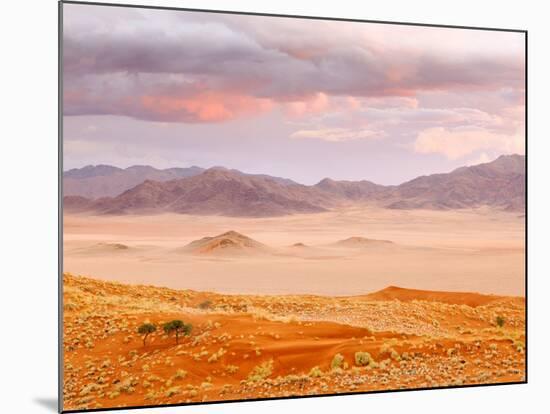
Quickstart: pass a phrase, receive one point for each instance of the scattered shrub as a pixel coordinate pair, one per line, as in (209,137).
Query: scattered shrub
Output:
(205,305)
(363,359)
(180,373)
(127,385)
(520,346)
(231,369)
(315,372)
(337,361)
(295,379)
(113,394)
(217,355)
(170,392)
(395,355)
(500,321)
(261,372)
(88,389)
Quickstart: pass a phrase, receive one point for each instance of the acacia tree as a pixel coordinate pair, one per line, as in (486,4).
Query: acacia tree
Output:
(146,329)
(178,327)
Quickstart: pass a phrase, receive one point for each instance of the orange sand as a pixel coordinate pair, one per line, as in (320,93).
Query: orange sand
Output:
(415,338)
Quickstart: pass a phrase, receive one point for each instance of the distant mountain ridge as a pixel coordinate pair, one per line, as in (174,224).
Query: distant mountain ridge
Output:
(220,191)
(500,183)
(353,190)
(216,191)
(95,181)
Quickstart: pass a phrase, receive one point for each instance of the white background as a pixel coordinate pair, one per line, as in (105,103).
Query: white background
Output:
(28,226)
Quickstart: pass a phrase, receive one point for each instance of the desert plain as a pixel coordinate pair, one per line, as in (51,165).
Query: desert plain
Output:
(356,299)
(477,250)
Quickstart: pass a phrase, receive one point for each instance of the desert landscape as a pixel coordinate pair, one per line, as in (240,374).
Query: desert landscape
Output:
(268,316)
(257,207)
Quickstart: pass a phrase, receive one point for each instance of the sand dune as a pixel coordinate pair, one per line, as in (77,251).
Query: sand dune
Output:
(455,298)
(228,243)
(234,244)
(103,248)
(357,242)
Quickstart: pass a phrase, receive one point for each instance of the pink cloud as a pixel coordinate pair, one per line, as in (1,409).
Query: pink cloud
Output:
(336,134)
(313,104)
(459,142)
(203,107)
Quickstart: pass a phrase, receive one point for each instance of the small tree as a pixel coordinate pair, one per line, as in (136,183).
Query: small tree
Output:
(500,321)
(146,329)
(179,327)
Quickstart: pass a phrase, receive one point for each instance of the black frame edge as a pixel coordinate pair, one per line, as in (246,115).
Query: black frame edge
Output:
(292,16)
(60,207)
(526,206)
(299,397)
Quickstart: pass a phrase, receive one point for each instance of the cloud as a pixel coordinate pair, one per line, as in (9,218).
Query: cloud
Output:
(204,107)
(459,142)
(402,121)
(119,61)
(318,103)
(83,146)
(335,134)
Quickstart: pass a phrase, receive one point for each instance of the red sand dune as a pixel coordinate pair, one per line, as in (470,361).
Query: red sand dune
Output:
(457,298)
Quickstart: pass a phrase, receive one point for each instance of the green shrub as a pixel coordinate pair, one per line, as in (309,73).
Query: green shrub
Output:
(315,372)
(500,321)
(337,361)
(170,392)
(180,373)
(261,371)
(363,359)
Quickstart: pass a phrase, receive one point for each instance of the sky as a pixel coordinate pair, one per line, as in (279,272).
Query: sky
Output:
(298,98)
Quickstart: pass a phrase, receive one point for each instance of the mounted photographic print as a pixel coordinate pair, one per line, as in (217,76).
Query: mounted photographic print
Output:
(263,206)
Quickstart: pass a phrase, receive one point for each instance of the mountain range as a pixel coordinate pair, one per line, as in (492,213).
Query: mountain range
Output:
(220,191)
(95,181)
